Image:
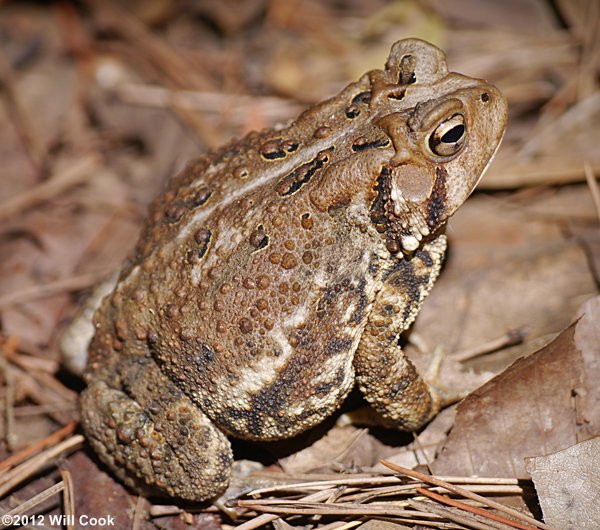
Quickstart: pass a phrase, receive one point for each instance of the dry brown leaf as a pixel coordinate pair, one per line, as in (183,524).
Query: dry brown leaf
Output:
(346,446)
(422,451)
(18,173)
(511,263)
(323,452)
(567,485)
(49,244)
(114,499)
(509,267)
(530,407)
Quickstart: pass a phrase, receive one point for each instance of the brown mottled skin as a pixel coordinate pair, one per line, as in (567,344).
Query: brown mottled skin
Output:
(275,272)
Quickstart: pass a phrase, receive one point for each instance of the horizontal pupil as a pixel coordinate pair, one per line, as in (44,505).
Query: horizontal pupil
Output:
(453,135)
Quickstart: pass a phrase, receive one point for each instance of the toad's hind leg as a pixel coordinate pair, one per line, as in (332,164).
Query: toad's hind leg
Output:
(162,445)
(386,377)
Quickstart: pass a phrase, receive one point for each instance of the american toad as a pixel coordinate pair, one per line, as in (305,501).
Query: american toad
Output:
(275,272)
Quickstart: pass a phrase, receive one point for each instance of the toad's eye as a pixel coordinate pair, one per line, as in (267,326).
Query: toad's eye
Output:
(449,137)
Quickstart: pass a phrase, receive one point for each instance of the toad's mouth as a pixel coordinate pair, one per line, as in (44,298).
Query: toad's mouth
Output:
(409,206)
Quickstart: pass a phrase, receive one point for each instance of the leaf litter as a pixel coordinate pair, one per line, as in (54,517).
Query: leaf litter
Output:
(103,101)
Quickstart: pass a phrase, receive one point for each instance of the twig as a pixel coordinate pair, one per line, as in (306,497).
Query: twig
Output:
(34,501)
(375,480)
(375,493)
(23,455)
(68,498)
(139,512)
(34,146)
(341,525)
(25,411)
(176,68)
(326,484)
(257,522)
(41,387)
(465,493)
(28,362)
(511,338)
(348,497)
(73,283)
(267,518)
(9,403)
(544,171)
(50,383)
(472,509)
(586,71)
(77,173)
(271,108)
(164,510)
(593,185)
(431,508)
(27,469)
(565,122)
(302,507)
(176,71)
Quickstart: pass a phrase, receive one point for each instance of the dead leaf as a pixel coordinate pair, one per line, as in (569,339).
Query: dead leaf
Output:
(567,485)
(517,258)
(509,267)
(543,402)
(341,447)
(424,448)
(114,500)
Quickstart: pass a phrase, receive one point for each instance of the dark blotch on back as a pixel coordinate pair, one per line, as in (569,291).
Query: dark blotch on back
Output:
(293,181)
(180,206)
(277,148)
(268,402)
(199,197)
(259,238)
(361,146)
(202,238)
(175,211)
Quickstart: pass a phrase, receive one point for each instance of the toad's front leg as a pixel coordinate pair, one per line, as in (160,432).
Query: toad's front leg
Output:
(386,377)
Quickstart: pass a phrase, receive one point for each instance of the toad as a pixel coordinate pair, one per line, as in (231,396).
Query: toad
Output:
(278,271)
